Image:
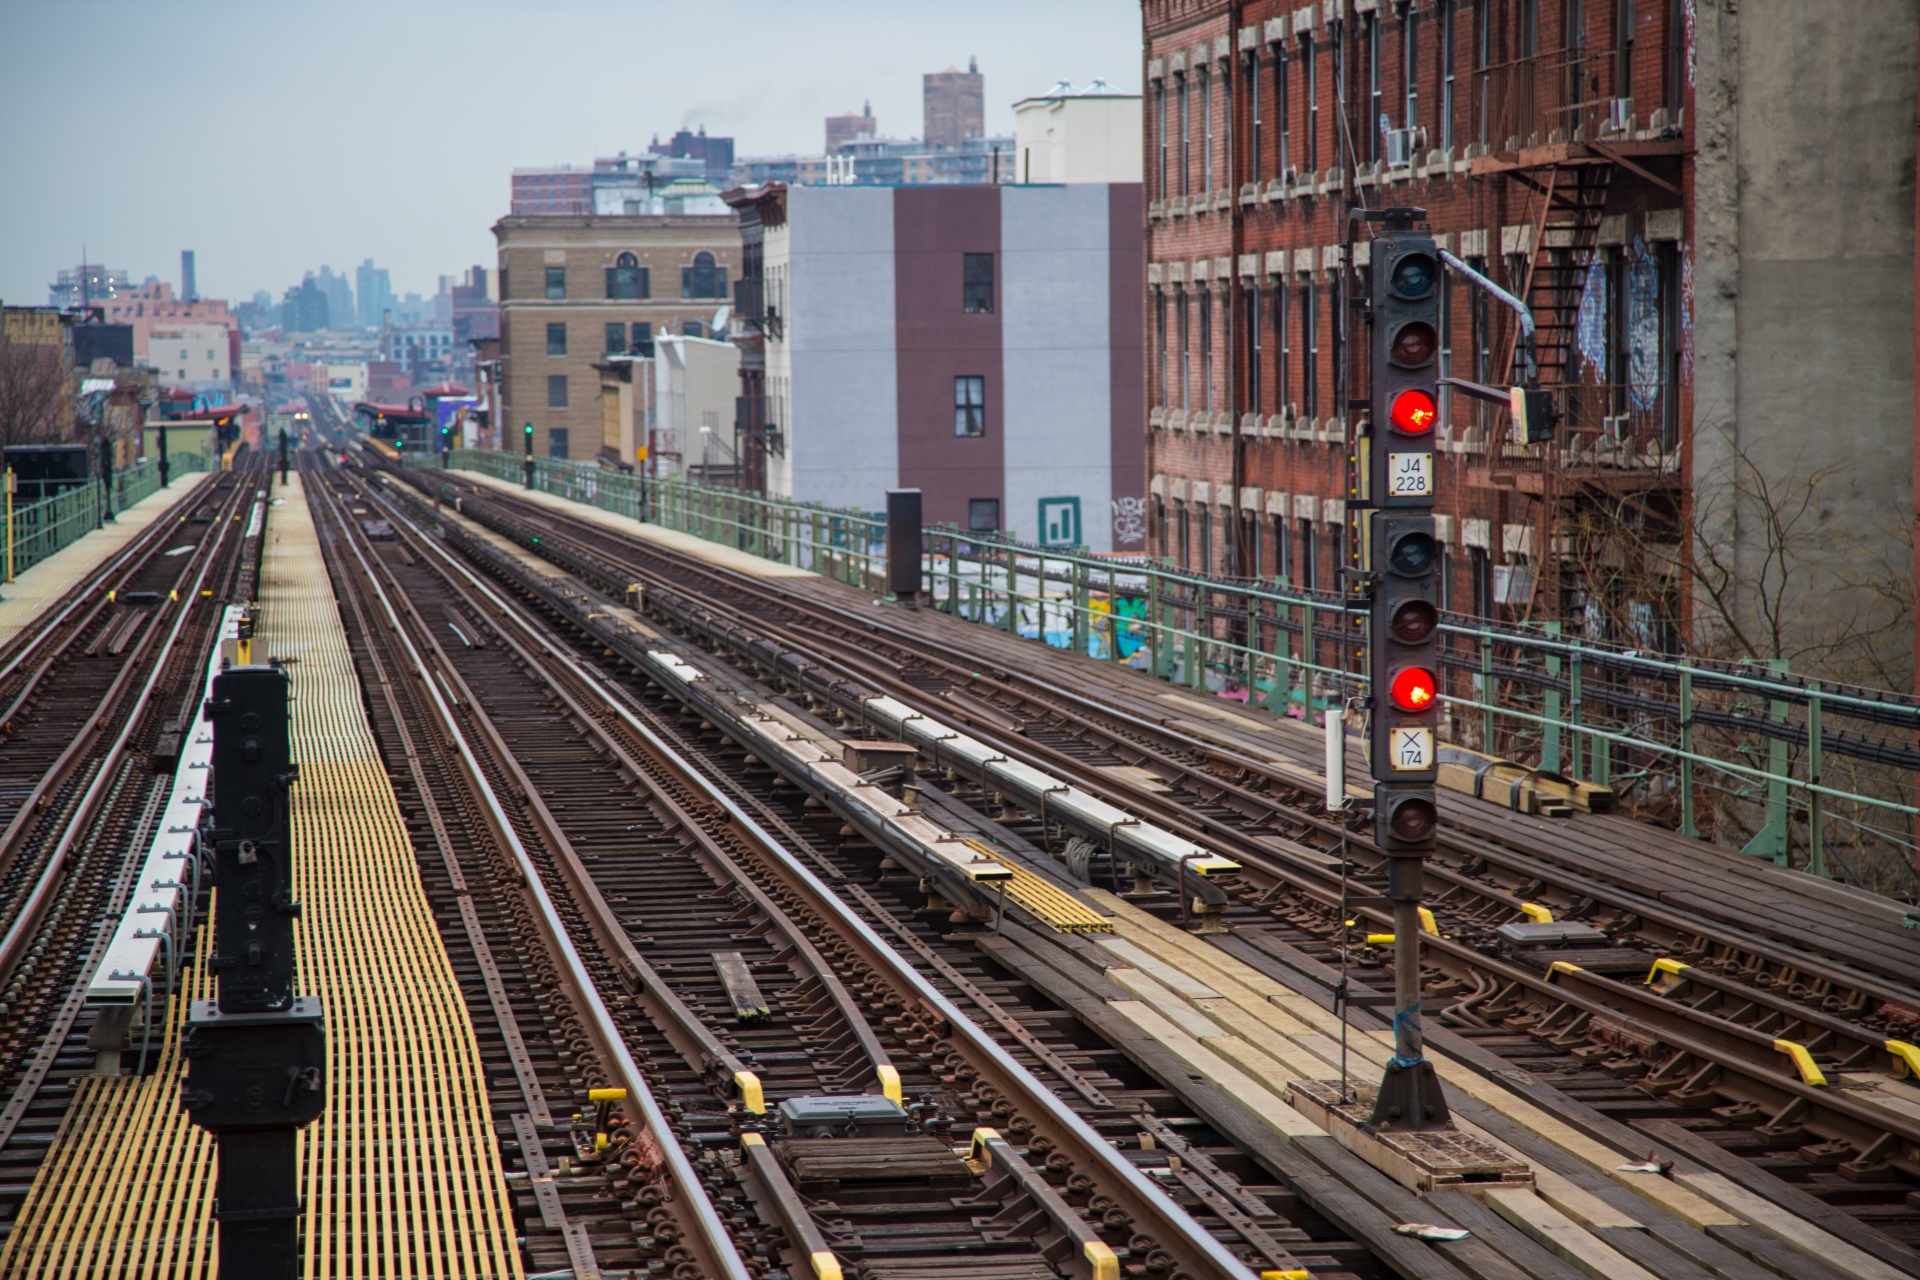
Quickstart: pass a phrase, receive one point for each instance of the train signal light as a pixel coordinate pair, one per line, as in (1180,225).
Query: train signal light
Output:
(1534,413)
(1413,412)
(1404,564)
(1412,689)
(1405,350)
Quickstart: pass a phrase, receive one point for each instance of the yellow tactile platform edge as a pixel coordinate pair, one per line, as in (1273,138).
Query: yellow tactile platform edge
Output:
(401,1175)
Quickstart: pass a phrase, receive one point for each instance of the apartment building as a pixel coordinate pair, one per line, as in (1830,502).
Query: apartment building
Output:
(1588,156)
(575,290)
(981,343)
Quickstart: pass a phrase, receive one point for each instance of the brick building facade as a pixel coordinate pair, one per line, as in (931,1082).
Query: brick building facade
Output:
(574,290)
(1549,141)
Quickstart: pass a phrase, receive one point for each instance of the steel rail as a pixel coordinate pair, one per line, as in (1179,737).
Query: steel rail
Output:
(24,644)
(19,933)
(1150,1204)
(721,1257)
(1518,861)
(1665,1021)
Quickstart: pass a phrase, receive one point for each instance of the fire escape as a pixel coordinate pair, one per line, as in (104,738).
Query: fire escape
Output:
(1567,143)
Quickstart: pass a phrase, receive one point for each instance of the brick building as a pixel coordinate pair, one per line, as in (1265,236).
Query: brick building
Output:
(574,290)
(954,105)
(1554,145)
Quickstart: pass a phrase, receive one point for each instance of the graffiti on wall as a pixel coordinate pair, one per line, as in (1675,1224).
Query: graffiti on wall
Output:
(1643,326)
(1129,522)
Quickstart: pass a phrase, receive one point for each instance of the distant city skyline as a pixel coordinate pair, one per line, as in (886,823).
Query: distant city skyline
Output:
(107,169)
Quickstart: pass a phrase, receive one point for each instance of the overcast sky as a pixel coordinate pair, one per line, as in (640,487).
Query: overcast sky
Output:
(273,137)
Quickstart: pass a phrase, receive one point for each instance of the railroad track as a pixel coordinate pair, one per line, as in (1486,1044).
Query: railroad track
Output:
(670,864)
(95,696)
(1701,1041)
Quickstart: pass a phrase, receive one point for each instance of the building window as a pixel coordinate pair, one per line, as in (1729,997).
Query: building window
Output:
(1312,66)
(556,282)
(1280,113)
(1186,139)
(1206,541)
(1480,575)
(977,283)
(1253,108)
(1279,548)
(1529,28)
(1623,49)
(1206,130)
(1160,336)
(557,391)
(1446,74)
(627,279)
(703,279)
(970,406)
(556,339)
(1308,568)
(1186,536)
(1676,68)
(1376,107)
(1206,347)
(1309,349)
(1410,66)
(983,515)
(1254,348)
(1186,338)
(1283,352)
(556,442)
(1483,61)
(642,343)
(617,338)
(1160,119)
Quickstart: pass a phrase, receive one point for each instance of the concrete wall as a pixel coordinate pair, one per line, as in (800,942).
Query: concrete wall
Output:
(1803,297)
(1054,359)
(1077,139)
(840,336)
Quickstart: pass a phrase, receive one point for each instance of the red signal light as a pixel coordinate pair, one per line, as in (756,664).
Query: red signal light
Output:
(1414,412)
(1412,689)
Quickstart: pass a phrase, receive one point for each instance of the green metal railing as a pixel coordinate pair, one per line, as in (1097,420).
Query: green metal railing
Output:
(39,529)
(1784,767)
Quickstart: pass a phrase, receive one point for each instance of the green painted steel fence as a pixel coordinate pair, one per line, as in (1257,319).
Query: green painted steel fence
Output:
(39,529)
(1809,774)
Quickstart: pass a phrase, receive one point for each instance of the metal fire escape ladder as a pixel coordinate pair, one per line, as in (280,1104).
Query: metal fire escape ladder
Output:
(1573,200)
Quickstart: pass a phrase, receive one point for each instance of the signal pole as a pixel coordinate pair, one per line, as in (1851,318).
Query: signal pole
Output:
(1402,560)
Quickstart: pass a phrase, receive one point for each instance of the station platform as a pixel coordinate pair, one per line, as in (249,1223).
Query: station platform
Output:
(401,1175)
(43,585)
(685,544)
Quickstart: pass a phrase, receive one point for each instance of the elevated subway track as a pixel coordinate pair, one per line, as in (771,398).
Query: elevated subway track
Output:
(1810,963)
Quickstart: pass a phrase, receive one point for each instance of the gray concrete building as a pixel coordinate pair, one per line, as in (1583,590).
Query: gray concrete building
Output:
(981,343)
(1802,308)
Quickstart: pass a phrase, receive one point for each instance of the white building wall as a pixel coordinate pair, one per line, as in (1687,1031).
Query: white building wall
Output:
(697,380)
(1076,140)
(1055,359)
(843,446)
(190,355)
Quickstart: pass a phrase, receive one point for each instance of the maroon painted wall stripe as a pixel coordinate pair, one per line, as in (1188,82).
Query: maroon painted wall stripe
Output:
(935,341)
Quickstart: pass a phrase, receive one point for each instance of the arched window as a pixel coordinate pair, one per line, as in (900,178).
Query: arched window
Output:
(703,279)
(627,279)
